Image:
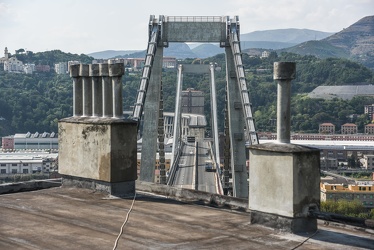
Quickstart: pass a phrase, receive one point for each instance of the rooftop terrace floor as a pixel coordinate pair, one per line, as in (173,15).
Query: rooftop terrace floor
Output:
(72,218)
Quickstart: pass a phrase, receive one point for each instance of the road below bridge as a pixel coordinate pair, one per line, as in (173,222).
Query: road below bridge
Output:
(191,172)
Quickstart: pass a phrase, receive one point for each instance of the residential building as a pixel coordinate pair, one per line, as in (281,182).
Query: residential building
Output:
(7,142)
(361,191)
(349,128)
(369,128)
(369,110)
(61,68)
(157,165)
(368,162)
(265,54)
(327,128)
(42,68)
(329,163)
(29,68)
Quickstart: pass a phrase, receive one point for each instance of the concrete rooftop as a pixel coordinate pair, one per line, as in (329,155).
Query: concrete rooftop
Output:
(74,218)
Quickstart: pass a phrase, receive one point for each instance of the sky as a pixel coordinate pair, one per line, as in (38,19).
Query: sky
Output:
(87,26)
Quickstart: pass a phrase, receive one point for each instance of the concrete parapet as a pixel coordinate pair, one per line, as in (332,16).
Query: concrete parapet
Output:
(284,186)
(101,151)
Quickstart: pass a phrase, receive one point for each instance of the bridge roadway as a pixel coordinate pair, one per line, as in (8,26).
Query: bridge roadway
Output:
(190,176)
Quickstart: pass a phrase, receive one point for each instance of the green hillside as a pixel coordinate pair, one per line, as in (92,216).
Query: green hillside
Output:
(355,42)
(36,102)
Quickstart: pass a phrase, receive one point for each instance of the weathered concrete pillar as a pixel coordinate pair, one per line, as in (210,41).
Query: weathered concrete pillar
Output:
(77,90)
(284,72)
(284,178)
(98,152)
(107,90)
(97,96)
(87,90)
(116,71)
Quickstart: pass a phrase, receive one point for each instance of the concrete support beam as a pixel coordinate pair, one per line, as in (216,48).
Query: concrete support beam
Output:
(151,118)
(236,130)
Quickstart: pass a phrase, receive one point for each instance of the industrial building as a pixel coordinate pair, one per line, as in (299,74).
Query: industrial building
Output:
(30,141)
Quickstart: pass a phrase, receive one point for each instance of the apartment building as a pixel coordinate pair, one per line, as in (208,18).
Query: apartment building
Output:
(361,191)
(368,162)
(326,128)
(349,128)
(369,129)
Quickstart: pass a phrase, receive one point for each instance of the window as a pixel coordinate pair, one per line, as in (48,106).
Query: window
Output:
(14,171)
(25,164)
(3,171)
(25,171)
(358,196)
(3,164)
(14,164)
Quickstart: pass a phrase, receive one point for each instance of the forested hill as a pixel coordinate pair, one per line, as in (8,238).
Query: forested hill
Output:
(36,102)
(355,42)
(51,57)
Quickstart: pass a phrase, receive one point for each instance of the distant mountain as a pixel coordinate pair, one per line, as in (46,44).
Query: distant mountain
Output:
(265,45)
(322,49)
(207,50)
(355,42)
(106,54)
(178,50)
(292,36)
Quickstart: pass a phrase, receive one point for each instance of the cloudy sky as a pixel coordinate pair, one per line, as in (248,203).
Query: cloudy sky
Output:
(85,26)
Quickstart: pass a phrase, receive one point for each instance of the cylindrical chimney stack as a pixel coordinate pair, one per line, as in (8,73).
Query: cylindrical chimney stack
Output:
(284,72)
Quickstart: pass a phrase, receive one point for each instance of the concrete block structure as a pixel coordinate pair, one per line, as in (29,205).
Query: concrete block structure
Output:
(284,186)
(283,177)
(98,152)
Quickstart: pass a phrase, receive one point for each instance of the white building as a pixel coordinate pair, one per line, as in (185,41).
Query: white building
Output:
(13,65)
(265,54)
(61,68)
(27,162)
(368,162)
(36,141)
(29,68)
